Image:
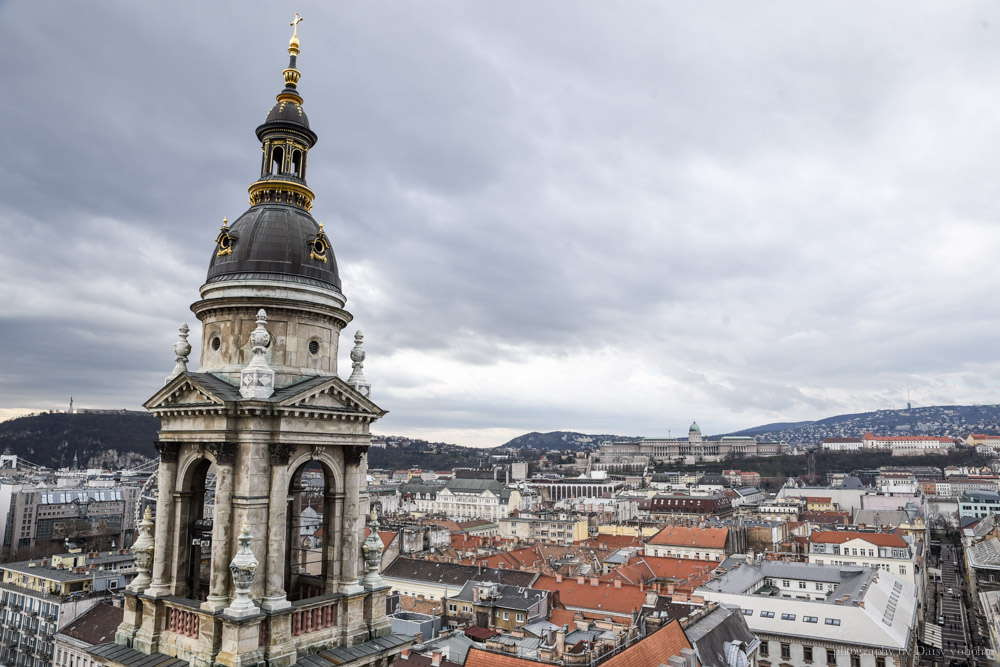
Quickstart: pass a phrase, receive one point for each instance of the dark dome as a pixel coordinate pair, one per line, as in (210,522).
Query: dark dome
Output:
(274,239)
(289,112)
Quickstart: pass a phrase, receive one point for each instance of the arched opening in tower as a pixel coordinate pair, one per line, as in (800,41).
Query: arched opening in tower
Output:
(309,548)
(198,506)
(297,163)
(277,160)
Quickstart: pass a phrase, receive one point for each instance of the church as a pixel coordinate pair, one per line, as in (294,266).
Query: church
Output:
(224,580)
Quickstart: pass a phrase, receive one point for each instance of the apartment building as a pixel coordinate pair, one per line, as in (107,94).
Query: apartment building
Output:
(31,516)
(888,552)
(861,617)
(561,529)
(38,598)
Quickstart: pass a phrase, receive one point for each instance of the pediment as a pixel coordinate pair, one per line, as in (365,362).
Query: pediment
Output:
(327,394)
(184,391)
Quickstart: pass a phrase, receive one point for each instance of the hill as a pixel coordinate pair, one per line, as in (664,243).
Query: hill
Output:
(562,440)
(943,420)
(52,439)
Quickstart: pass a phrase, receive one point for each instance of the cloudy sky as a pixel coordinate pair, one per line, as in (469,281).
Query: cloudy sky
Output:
(581,215)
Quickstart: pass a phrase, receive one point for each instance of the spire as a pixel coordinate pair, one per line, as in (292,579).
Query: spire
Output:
(286,140)
(257,379)
(292,74)
(357,379)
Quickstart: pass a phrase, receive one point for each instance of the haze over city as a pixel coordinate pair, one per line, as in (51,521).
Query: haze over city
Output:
(583,216)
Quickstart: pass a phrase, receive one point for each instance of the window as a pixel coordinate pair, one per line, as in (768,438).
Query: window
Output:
(764,650)
(767,614)
(810,619)
(855,660)
(520,617)
(506,616)
(452,607)
(902,569)
(786,651)
(831,657)
(784,583)
(788,617)
(747,612)
(807,653)
(879,662)
(802,584)
(833,621)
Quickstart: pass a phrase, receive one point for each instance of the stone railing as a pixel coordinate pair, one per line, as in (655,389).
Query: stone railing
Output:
(322,617)
(183,622)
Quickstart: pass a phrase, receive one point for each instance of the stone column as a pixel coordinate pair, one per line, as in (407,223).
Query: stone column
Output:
(333,513)
(275,596)
(218,592)
(351,552)
(166,481)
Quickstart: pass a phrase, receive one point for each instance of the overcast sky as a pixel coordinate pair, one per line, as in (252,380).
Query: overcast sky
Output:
(580,215)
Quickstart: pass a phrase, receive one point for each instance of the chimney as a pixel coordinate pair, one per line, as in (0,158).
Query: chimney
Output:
(618,583)
(436,659)
(581,580)
(558,578)
(594,581)
(405,655)
(561,641)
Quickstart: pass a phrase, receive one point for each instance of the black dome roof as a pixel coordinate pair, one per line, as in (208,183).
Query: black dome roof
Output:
(274,239)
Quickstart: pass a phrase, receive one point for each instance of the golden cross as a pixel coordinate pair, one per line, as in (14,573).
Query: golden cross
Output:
(295,25)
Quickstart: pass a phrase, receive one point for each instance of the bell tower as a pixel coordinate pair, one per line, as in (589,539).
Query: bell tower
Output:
(257,551)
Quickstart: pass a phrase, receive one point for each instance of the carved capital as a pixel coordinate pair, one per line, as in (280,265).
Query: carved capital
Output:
(280,453)
(353,454)
(168,451)
(224,452)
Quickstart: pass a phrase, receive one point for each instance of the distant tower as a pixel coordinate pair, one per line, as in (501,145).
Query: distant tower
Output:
(694,433)
(70,405)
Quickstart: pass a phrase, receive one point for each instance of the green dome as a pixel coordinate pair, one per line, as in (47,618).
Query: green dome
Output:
(694,427)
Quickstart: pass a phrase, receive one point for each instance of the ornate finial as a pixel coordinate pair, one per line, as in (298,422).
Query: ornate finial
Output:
(257,379)
(182,348)
(357,379)
(143,551)
(244,569)
(225,222)
(372,551)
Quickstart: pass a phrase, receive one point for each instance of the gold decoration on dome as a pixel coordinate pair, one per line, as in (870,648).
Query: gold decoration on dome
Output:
(225,240)
(318,245)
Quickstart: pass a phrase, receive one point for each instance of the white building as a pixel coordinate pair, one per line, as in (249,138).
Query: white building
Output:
(888,552)
(461,499)
(859,618)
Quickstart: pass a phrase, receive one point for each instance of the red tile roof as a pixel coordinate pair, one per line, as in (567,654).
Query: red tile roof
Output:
(839,537)
(562,617)
(603,597)
(688,536)
(652,651)
(645,568)
(386,537)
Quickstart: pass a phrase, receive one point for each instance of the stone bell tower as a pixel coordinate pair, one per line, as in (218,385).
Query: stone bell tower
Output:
(263,433)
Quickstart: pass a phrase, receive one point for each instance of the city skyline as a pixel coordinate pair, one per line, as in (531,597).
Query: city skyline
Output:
(562,217)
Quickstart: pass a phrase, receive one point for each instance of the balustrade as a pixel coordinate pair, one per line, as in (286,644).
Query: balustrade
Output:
(183,622)
(311,620)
